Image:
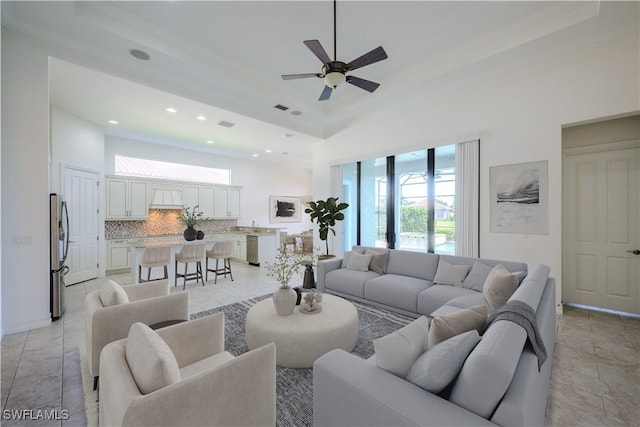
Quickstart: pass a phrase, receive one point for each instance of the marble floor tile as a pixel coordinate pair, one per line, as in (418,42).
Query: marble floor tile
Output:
(595,379)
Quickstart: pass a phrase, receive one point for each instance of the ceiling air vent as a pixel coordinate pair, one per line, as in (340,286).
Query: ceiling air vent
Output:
(281,107)
(226,124)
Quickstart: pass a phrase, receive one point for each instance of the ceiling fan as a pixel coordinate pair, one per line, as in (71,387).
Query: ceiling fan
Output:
(335,72)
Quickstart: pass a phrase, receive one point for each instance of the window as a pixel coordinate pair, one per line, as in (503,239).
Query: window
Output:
(146,168)
(405,201)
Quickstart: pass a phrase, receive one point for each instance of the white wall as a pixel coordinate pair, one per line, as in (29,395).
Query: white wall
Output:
(258,179)
(519,117)
(25,186)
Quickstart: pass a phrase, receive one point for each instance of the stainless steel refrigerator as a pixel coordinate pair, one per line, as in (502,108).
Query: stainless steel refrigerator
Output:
(59,248)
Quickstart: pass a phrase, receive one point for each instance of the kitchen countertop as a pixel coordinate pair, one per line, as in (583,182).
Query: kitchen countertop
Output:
(247,231)
(179,240)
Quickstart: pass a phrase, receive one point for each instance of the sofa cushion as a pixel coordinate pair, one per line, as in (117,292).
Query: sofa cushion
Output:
(378,262)
(395,290)
(450,274)
(413,264)
(499,286)
(151,361)
(477,276)
(449,325)
(350,282)
(438,366)
(397,351)
(113,294)
(359,262)
(434,297)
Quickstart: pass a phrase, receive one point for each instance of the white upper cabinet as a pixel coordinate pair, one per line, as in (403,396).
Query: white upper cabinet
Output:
(206,201)
(127,199)
(227,203)
(191,196)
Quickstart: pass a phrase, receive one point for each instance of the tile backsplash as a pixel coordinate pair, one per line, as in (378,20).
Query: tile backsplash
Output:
(162,222)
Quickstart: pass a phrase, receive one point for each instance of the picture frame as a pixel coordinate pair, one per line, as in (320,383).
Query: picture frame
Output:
(285,209)
(519,198)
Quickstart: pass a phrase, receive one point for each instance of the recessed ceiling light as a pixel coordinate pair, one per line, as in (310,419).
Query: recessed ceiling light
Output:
(296,112)
(281,107)
(268,150)
(113,122)
(172,110)
(255,154)
(139,54)
(209,141)
(201,118)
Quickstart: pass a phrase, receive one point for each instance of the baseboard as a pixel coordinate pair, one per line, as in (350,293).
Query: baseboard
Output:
(25,326)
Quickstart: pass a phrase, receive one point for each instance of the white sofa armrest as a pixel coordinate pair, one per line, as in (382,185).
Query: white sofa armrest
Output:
(348,390)
(147,290)
(107,324)
(324,267)
(196,339)
(240,392)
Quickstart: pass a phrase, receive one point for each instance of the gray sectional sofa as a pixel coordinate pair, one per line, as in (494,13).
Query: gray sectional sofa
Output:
(499,382)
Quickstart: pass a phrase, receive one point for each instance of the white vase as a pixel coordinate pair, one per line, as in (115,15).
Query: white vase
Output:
(284,300)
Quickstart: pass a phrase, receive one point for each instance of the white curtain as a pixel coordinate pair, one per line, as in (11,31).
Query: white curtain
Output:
(468,199)
(335,243)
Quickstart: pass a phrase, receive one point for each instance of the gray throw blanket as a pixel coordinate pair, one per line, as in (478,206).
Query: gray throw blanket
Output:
(522,314)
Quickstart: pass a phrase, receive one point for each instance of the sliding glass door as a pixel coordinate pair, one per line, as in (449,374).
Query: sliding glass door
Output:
(406,201)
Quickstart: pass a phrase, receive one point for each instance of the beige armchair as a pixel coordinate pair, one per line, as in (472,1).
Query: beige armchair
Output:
(181,376)
(110,312)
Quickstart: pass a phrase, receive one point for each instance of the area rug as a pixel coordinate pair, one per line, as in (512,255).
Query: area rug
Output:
(294,387)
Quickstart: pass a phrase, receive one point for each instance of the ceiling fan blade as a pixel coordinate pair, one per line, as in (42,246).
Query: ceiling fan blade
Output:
(367,85)
(299,76)
(326,93)
(377,54)
(318,50)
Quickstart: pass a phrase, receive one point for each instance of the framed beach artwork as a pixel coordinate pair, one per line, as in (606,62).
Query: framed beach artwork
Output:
(519,198)
(284,209)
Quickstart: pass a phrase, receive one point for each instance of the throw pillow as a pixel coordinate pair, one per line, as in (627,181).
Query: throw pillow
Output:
(359,262)
(477,276)
(113,294)
(345,258)
(437,367)
(450,274)
(378,260)
(150,359)
(449,325)
(397,351)
(499,287)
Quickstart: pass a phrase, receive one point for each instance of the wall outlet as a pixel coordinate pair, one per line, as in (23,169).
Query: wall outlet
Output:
(23,240)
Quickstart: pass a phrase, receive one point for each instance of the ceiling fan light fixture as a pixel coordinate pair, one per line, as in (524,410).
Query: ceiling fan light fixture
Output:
(334,79)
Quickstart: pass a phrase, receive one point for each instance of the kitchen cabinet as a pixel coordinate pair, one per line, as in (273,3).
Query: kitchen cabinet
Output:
(227,203)
(118,254)
(206,201)
(127,199)
(240,246)
(191,196)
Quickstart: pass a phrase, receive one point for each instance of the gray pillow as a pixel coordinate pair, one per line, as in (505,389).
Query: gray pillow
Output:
(449,325)
(450,274)
(499,287)
(345,258)
(359,262)
(378,262)
(477,276)
(397,351)
(437,367)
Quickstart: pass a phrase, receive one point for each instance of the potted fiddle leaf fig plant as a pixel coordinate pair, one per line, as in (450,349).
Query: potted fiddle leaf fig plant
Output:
(326,213)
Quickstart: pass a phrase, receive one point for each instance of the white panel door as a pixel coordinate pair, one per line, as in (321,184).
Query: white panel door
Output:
(602,229)
(81,195)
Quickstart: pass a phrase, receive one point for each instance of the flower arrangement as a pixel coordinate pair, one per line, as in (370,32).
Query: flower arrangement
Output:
(312,301)
(287,263)
(191,216)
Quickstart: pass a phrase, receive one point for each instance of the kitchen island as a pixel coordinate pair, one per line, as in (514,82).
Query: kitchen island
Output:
(267,244)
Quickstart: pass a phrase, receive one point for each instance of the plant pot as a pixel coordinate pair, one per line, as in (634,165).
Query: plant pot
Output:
(322,257)
(284,301)
(309,280)
(190,234)
(200,235)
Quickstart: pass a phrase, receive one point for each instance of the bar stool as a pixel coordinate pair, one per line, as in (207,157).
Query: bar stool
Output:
(190,253)
(155,256)
(220,251)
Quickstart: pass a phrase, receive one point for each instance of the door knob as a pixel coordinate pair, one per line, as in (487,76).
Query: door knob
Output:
(635,252)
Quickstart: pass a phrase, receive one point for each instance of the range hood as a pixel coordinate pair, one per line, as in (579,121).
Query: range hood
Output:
(166,199)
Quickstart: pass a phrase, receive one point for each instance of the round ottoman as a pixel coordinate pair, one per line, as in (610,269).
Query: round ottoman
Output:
(301,338)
